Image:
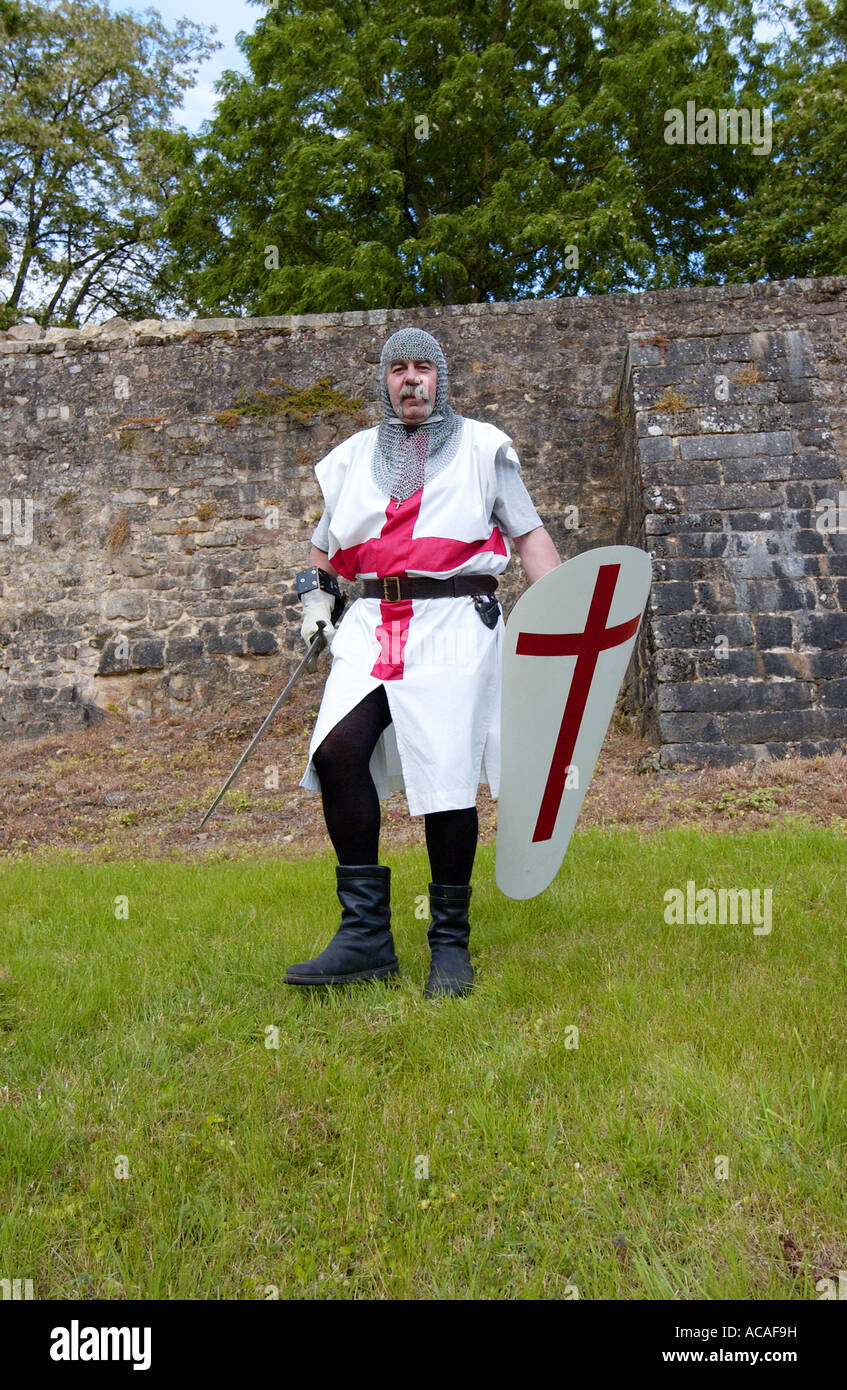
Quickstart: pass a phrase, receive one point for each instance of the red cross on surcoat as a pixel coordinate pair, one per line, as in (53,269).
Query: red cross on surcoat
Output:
(397,550)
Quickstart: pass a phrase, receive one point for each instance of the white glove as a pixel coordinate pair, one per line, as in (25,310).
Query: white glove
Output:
(318,606)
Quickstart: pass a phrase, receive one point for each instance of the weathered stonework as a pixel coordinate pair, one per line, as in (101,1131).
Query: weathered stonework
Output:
(169,468)
(728,451)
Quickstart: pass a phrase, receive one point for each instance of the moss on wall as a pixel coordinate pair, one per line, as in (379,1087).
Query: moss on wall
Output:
(301,405)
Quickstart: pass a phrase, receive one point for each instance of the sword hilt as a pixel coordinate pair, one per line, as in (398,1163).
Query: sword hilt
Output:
(313,660)
(337,611)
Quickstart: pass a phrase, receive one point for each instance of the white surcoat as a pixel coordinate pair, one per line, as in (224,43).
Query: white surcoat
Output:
(440,665)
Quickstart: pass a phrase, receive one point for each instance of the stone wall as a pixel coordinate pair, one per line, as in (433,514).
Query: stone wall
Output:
(730,450)
(169,468)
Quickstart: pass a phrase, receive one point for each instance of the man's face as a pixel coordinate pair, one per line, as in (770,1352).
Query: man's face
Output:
(411,387)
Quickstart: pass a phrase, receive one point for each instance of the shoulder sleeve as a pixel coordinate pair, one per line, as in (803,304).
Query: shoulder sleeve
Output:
(514,511)
(320,535)
(331,472)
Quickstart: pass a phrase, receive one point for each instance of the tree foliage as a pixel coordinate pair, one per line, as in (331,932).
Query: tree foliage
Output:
(87,161)
(462,150)
(795,222)
(382,155)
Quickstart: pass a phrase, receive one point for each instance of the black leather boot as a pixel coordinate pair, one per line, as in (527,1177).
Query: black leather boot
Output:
(362,948)
(451,972)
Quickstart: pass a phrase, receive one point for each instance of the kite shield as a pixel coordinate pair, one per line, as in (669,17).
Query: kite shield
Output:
(568,642)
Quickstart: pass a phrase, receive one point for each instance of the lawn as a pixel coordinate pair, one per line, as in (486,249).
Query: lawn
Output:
(625,1108)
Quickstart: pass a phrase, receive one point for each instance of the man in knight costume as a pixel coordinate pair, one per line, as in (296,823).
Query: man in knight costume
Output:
(421,508)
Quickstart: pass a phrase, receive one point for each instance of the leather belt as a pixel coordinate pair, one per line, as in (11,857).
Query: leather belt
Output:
(393,588)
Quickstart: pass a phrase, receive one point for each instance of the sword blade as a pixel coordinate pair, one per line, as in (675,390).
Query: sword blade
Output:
(313,650)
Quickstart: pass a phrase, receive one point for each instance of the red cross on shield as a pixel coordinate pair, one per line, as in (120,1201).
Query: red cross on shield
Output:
(568,642)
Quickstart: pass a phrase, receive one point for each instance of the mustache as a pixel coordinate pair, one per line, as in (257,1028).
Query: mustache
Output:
(420,391)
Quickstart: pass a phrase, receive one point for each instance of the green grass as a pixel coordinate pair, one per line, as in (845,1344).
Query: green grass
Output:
(553,1169)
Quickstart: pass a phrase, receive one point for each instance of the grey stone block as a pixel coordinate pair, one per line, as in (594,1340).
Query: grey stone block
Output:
(655,448)
(808,542)
(230,644)
(686,350)
(814,439)
(772,631)
(759,468)
(680,473)
(759,726)
(823,630)
(728,663)
(641,352)
(711,544)
(799,495)
(824,665)
(726,418)
(834,694)
(779,595)
(704,755)
(730,695)
(671,597)
(795,390)
(717,446)
(809,415)
(699,630)
(730,347)
(684,728)
(835,723)
(730,496)
(183,649)
(688,521)
(110,663)
(754,523)
(788,664)
(675,665)
(819,748)
(690,569)
(812,463)
(147,655)
(261,643)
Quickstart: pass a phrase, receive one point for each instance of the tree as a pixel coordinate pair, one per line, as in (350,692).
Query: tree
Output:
(459,151)
(88,159)
(795,222)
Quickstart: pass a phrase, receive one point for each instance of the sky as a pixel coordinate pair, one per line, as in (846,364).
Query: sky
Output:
(227,17)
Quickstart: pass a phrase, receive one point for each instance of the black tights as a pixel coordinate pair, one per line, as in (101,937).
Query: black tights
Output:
(351,802)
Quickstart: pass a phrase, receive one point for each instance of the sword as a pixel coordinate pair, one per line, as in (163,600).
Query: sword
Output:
(311,655)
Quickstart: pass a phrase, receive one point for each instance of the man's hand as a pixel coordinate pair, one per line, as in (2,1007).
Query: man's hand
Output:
(318,607)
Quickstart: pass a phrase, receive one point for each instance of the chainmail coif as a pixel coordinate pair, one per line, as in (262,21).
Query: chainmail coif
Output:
(406,457)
